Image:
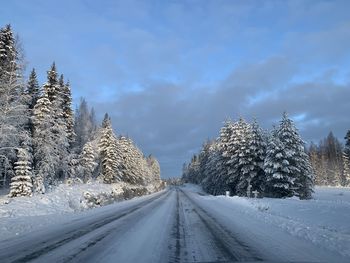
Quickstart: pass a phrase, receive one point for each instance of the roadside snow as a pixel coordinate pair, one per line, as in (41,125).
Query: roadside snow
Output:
(323,221)
(25,214)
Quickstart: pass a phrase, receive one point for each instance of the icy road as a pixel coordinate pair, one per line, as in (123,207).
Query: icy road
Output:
(175,225)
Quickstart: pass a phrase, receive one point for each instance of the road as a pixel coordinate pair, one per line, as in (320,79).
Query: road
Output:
(170,226)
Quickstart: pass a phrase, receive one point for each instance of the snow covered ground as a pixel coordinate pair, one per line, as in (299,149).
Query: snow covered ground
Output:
(177,225)
(323,221)
(25,214)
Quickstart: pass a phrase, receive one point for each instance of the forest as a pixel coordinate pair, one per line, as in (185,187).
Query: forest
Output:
(44,142)
(247,160)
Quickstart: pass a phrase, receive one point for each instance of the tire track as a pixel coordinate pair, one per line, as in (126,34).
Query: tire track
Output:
(36,250)
(231,249)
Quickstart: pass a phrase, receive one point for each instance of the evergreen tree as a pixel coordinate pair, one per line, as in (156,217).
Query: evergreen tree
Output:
(279,179)
(251,156)
(235,146)
(45,154)
(346,159)
(333,156)
(67,108)
(108,153)
(51,87)
(13,109)
(132,166)
(33,89)
(154,167)
(9,56)
(211,168)
(21,183)
(87,161)
(84,125)
(223,171)
(299,164)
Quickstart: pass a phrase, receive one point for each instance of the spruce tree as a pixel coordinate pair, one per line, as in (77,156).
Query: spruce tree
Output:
(108,153)
(224,171)
(154,167)
(346,159)
(279,179)
(87,161)
(45,154)
(33,89)
(84,125)
(299,163)
(21,183)
(51,87)
(68,117)
(13,108)
(250,155)
(8,55)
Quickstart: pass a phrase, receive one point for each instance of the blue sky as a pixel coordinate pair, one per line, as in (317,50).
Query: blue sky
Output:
(170,72)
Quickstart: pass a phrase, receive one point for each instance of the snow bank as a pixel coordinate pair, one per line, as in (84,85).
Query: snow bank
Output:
(324,220)
(24,214)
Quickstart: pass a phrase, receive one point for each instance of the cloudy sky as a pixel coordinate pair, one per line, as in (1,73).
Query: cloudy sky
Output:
(170,72)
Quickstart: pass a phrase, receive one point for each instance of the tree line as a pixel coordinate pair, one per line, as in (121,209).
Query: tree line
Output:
(330,161)
(245,159)
(43,142)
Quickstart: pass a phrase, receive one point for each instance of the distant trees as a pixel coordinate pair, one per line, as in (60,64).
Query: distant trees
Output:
(243,159)
(330,161)
(43,142)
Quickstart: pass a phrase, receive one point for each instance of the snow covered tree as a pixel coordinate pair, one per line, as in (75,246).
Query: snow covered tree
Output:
(84,125)
(333,156)
(279,179)
(66,94)
(51,87)
(211,167)
(250,157)
(13,109)
(154,167)
(346,159)
(223,166)
(299,163)
(108,153)
(132,165)
(235,145)
(21,183)
(8,55)
(45,154)
(87,161)
(33,89)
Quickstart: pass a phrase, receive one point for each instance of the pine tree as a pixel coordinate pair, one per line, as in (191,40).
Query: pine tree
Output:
(45,154)
(346,159)
(87,161)
(211,167)
(51,87)
(154,167)
(299,164)
(279,180)
(21,183)
(132,166)
(33,89)
(13,109)
(53,91)
(333,156)
(8,55)
(66,95)
(108,153)
(223,171)
(84,125)
(236,145)
(251,155)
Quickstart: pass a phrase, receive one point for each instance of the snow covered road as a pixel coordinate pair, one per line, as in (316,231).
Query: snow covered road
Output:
(176,225)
